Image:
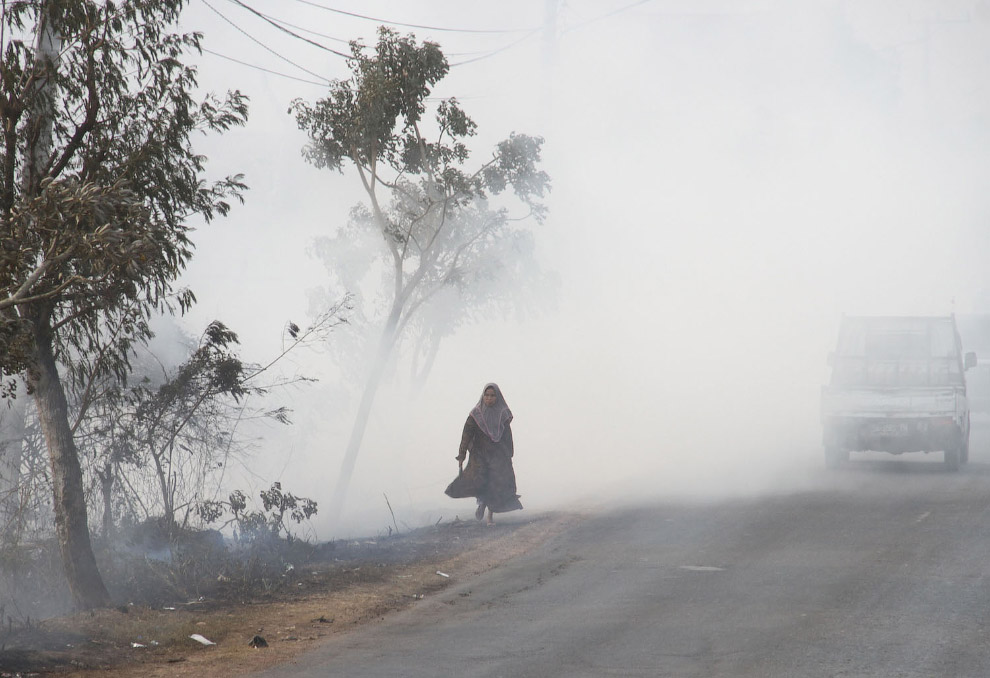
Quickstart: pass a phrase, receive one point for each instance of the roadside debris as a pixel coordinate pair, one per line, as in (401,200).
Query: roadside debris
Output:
(258,641)
(443,574)
(200,639)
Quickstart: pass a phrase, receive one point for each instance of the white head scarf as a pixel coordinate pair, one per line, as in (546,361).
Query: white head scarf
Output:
(492,420)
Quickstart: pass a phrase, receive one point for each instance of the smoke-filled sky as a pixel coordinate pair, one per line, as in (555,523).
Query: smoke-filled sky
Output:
(729,178)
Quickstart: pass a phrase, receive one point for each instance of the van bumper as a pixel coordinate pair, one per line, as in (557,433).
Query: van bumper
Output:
(893,434)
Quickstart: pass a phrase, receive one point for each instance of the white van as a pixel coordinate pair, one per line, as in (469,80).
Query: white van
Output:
(898,385)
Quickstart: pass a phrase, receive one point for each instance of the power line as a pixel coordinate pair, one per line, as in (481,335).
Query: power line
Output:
(281,25)
(607,15)
(429,28)
(286,30)
(261,68)
(303,29)
(263,45)
(499,50)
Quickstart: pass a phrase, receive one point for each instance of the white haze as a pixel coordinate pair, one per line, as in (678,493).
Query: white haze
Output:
(729,178)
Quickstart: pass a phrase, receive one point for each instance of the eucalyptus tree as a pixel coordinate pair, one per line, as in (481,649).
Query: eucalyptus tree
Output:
(442,227)
(98,184)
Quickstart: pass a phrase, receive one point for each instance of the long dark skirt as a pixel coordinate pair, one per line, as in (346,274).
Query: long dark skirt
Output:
(489,477)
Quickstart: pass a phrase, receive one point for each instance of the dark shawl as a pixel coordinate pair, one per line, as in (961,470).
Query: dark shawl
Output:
(489,475)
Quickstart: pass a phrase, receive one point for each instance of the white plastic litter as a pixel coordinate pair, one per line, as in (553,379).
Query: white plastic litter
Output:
(200,639)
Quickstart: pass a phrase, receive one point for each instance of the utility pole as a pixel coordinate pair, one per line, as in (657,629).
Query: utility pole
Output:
(549,63)
(12,430)
(47,46)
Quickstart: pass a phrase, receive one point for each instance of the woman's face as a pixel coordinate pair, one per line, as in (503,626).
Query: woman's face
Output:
(489,397)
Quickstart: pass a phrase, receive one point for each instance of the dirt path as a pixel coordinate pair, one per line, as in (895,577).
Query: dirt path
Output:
(390,575)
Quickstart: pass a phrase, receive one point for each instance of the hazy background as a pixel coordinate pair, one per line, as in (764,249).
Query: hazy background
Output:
(729,178)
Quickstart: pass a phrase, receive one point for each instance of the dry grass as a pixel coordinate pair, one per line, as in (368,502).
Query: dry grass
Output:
(325,599)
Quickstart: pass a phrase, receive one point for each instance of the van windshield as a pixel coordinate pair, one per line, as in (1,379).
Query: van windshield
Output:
(897,352)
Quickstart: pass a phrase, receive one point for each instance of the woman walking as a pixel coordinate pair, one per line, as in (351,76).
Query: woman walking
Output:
(489,476)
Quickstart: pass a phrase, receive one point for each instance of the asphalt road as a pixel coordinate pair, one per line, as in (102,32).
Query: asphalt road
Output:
(879,570)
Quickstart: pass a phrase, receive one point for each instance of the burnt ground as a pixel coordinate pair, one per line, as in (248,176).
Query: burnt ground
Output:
(344,585)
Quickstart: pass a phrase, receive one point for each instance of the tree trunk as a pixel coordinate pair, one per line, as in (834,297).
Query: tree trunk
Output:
(385,345)
(71,525)
(421,373)
(106,488)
